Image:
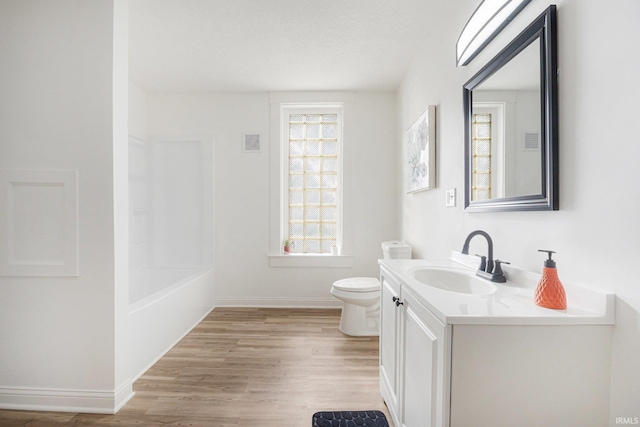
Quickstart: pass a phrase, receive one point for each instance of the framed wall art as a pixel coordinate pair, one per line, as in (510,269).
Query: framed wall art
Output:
(421,152)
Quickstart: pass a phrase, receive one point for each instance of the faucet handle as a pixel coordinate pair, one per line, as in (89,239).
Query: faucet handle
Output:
(483,262)
(497,271)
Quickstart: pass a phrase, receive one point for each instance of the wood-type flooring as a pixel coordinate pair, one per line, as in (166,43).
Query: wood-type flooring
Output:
(255,367)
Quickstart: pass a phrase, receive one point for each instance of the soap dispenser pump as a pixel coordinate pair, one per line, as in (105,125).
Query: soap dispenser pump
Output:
(550,292)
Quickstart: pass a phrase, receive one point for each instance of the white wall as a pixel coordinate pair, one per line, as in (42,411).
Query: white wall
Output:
(243,192)
(595,232)
(63,107)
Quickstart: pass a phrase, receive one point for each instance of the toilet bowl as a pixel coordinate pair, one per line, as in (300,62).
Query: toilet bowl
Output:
(361,305)
(361,296)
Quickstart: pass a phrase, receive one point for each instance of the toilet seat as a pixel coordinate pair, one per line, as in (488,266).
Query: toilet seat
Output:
(358,284)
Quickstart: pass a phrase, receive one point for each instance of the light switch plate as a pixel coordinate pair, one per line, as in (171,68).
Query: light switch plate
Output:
(450,197)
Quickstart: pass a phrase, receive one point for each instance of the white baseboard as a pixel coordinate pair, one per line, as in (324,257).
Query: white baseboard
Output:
(60,400)
(279,302)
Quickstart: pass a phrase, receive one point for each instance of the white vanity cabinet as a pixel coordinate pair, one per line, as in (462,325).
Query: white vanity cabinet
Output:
(389,342)
(474,370)
(413,359)
(424,365)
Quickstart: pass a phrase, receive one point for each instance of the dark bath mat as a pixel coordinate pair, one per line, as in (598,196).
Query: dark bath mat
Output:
(350,419)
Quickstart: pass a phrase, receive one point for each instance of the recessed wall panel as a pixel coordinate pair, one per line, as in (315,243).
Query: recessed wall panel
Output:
(38,223)
(36,213)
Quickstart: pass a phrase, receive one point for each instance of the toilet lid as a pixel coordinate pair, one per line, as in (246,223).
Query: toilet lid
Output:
(358,284)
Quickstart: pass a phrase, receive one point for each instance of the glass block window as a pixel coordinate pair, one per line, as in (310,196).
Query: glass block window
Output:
(481,168)
(313,180)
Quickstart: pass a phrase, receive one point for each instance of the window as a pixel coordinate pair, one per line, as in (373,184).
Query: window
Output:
(311,177)
(488,150)
(481,125)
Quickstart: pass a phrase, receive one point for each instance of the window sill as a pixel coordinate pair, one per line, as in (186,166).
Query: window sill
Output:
(306,260)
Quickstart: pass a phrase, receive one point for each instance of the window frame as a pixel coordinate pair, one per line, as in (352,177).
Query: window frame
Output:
(286,110)
(275,256)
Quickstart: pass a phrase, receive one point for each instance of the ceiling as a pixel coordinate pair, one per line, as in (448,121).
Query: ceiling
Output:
(274,45)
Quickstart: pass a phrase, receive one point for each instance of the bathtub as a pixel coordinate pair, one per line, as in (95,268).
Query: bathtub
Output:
(164,305)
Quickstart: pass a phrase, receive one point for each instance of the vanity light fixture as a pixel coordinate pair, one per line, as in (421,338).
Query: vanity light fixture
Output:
(485,23)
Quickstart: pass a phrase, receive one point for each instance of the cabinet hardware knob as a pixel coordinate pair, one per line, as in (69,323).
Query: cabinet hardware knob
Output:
(398,302)
(395,299)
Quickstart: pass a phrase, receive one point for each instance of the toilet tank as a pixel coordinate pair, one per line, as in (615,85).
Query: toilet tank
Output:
(395,249)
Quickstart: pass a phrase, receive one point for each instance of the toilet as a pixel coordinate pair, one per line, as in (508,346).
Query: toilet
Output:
(361,296)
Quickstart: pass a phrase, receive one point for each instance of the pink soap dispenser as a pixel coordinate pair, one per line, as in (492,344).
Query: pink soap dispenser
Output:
(550,292)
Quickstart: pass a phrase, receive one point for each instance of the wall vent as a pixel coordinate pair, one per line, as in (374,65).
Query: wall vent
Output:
(531,141)
(251,143)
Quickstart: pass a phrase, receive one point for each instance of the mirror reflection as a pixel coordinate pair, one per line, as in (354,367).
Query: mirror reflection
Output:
(507,160)
(511,125)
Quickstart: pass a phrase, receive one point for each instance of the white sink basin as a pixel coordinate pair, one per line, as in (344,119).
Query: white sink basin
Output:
(453,280)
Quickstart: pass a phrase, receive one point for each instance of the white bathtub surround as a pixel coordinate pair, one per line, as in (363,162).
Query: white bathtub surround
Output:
(171,208)
(181,201)
(171,243)
(161,317)
(153,283)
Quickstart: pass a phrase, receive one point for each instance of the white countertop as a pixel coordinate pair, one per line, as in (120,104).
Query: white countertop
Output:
(511,304)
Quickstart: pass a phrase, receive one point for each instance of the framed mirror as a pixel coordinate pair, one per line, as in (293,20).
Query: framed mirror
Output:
(511,125)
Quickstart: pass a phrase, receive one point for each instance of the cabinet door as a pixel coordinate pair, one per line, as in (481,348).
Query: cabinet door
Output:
(422,367)
(389,345)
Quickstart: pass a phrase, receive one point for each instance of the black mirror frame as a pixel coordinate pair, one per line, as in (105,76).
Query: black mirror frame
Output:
(543,28)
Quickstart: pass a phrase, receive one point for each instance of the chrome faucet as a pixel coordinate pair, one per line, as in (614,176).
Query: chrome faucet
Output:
(486,269)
